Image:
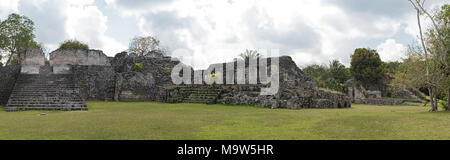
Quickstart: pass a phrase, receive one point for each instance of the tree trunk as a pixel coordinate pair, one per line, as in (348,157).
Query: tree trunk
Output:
(432,100)
(448,100)
(9,60)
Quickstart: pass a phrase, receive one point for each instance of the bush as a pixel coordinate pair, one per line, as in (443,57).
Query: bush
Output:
(167,71)
(138,67)
(73,44)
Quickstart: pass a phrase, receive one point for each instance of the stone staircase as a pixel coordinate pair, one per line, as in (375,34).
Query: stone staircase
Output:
(201,95)
(45,91)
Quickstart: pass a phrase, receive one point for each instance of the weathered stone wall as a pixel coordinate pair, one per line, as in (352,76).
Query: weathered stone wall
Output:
(296,89)
(78,57)
(359,94)
(119,81)
(408,94)
(134,86)
(102,78)
(160,67)
(8,77)
(31,60)
(96,83)
(32,57)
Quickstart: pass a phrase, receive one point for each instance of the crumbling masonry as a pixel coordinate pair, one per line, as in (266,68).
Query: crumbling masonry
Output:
(73,76)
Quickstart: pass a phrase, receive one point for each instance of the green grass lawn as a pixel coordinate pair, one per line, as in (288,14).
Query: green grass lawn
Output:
(142,120)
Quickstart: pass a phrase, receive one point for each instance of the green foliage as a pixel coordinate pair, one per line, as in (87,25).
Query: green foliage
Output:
(14,60)
(250,54)
(167,71)
(338,71)
(16,35)
(391,67)
(213,77)
(366,66)
(444,14)
(329,91)
(331,77)
(138,67)
(145,45)
(411,72)
(73,44)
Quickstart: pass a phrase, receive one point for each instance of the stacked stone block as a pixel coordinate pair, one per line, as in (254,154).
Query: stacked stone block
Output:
(45,92)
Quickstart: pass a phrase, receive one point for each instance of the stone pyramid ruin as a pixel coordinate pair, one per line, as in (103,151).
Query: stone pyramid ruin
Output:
(73,76)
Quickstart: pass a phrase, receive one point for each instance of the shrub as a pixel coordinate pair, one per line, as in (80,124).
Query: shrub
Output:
(138,67)
(167,71)
(75,44)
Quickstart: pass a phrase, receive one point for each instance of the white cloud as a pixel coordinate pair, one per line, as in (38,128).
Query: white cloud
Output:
(86,23)
(7,7)
(411,19)
(56,21)
(391,51)
(310,31)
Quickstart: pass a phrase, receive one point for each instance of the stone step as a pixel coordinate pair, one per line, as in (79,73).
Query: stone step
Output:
(197,101)
(206,94)
(63,90)
(67,90)
(196,92)
(203,95)
(45,92)
(46,105)
(62,99)
(15,109)
(43,96)
(27,96)
(45,85)
(200,95)
(46,89)
(42,84)
(195,97)
(45,101)
(47,80)
(40,94)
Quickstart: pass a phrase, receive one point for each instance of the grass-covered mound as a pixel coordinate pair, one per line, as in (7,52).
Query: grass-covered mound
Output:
(142,120)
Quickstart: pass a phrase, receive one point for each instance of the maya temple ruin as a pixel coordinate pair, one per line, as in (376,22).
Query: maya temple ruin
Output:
(72,76)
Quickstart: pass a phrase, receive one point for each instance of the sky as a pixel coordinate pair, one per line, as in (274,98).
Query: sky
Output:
(213,31)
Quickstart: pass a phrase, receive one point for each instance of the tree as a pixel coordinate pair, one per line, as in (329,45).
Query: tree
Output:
(319,73)
(339,72)
(438,42)
(391,67)
(410,74)
(145,45)
(366,66)
(250,54)
(75,44)
(436,47)
(332,76)
(16,35)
